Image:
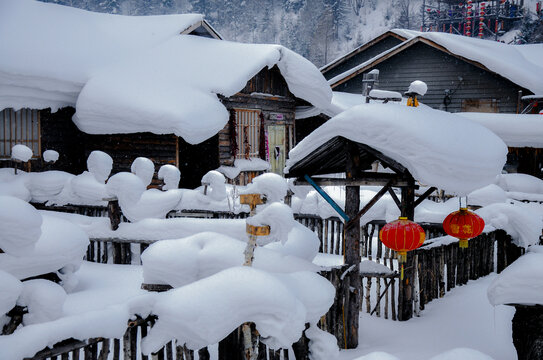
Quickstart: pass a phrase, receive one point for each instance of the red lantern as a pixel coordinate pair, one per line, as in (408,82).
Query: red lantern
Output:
(402,235)
(463,224)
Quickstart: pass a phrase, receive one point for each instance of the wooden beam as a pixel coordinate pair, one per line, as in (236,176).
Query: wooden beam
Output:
(424,196)
(395,197)
(328,199)
(369,205)
(366,179)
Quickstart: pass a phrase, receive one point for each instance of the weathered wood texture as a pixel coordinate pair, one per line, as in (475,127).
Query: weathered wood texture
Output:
(369,50)
(525,160)
(528,332)
(440,71)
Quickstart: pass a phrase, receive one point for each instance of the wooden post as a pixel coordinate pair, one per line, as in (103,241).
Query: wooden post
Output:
(528,332)
(114,213)
(352,249)
(405,296)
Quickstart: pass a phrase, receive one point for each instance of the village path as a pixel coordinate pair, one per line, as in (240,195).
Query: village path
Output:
(463,318)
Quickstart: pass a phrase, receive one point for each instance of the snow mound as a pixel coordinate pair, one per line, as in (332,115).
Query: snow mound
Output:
(50,156)
(377,355)
(170,175)
(21,226)
(144,169)
(521,282)
(21,152)
(322,345)
(201,313)
(183,261)
(61,245)
(253,164)
(280,219)
(487,195)
(424,140)
(43,299)
(273,186)
(215,181)
(520,183)
(523,225)
(46,185)
(10,289)
(99,164)
(418,87)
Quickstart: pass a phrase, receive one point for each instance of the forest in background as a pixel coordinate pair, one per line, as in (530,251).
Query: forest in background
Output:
(320,30)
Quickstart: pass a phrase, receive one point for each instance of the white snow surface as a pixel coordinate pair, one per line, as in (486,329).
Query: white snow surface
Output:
(516,130)
(201,313)
(183,261)
(462,353)
(10,289)
(134,74)
(438,148)
(50,156)
(522,183)
(43,299)
(99,164)
(253,164)
(521,282)
(21,226)
(21,152)
(70,53)
(384,94)
(322,344)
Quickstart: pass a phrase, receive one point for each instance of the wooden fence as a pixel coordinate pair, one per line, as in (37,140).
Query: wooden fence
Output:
(129,348)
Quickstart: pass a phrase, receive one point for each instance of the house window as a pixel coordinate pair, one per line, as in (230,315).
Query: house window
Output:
(19,127)
(480,105)
(248,133)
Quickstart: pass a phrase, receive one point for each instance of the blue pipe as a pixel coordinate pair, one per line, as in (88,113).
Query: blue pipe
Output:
(328,199)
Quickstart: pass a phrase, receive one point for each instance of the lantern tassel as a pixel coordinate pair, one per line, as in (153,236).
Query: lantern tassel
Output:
(401,273)
(463,243)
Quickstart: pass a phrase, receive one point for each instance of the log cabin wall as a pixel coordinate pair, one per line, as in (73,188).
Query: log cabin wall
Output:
(525,160)
(124,148)
(440,71)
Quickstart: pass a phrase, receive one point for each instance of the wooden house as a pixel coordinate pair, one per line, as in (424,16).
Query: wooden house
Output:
(462,73)
(245,115)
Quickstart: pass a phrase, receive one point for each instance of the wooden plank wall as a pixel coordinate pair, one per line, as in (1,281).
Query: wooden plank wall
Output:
(368,53)
(440,71)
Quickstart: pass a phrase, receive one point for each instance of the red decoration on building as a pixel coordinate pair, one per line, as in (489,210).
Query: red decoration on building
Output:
(464,225)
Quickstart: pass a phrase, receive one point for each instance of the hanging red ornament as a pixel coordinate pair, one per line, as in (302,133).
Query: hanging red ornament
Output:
(402,235)
(464,225)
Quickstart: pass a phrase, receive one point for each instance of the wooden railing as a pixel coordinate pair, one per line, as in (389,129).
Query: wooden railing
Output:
(129,348)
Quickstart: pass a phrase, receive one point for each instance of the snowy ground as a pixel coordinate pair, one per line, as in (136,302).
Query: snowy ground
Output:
(463,318)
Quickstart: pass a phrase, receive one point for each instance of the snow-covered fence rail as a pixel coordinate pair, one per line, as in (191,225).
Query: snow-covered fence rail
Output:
(87,210)
(126,348)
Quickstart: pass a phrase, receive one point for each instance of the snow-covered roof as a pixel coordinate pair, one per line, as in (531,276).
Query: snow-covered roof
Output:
(438,148)
(521,64)
(130,74)
(516,130)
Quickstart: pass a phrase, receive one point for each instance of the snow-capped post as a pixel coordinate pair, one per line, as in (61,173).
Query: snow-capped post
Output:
(253,231)
(250,343)
(20,154)
(416,88)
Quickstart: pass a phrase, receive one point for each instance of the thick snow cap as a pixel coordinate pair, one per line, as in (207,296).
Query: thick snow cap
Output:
(438,148)
(128,74)
(167,87)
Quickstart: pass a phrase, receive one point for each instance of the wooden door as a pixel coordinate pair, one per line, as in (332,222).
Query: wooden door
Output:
(277,148)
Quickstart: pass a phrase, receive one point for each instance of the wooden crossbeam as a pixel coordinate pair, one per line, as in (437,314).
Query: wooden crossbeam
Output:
(365,179)
(395,197)
(424,195)
(368,206)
